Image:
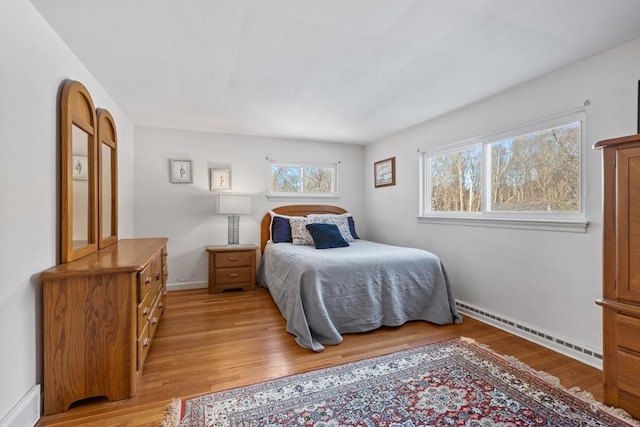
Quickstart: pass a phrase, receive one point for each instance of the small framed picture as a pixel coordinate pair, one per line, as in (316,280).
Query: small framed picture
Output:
(384,172)
(80,167)
(181,171)
(220,179)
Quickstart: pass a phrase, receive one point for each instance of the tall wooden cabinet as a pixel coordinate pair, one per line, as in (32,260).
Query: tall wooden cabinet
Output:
(621,272)
(100,314)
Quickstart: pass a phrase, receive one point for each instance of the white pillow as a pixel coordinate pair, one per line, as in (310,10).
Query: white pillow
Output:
(299,233)
(341,221)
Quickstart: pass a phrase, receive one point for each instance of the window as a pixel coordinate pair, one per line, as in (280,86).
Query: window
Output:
(529,173)
(298,179)
(456,181)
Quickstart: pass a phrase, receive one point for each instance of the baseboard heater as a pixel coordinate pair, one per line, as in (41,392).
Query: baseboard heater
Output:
(580,352)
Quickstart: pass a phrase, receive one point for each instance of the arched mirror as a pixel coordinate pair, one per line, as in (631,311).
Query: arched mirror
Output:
(108,180)
(78,173)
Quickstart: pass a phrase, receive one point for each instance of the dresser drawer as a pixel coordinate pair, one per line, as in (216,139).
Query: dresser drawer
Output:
(628,353)
(628,333)
(165,270)
(161,302)
(143,312)
(233,275)
(144,342)
(233,259)
(157,279)
(146,279)
(629,372)
(154,318)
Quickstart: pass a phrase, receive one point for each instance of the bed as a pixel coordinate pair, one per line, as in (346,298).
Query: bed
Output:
(351,288)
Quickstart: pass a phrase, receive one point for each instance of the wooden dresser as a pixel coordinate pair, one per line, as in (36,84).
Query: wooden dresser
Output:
(621,272)
(100,314)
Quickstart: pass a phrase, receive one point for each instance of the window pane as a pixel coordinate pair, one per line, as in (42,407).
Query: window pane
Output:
(538,172)
(456,181)
(318,180)
(286,179)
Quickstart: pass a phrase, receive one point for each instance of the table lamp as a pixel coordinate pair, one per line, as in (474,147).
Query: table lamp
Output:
(234,205)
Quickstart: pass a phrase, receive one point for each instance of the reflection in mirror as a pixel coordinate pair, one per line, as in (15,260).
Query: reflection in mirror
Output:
(81,207)
(108,185)
(106,191)
(78,180)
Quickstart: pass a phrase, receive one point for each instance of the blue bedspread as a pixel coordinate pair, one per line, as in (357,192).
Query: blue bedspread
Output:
(325,293)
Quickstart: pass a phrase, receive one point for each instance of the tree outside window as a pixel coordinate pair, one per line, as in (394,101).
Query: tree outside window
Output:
(537,171)
(300,179)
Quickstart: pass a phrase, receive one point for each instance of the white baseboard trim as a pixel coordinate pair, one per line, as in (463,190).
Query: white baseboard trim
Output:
(26,412)
(186,285)
(580,352)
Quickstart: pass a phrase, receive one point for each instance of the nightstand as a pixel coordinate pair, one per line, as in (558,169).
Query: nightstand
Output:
(232,267)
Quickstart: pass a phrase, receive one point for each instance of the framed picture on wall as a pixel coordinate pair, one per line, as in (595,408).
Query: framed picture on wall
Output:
(181,171)
(220,179)
(80,167)
(384,172)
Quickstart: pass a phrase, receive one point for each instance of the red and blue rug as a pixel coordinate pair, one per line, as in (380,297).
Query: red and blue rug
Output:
(450,383)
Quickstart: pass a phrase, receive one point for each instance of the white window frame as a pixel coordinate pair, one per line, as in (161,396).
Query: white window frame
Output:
(552,221)
(302,195)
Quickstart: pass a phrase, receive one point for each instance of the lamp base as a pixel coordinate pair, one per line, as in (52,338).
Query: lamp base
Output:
(233,235)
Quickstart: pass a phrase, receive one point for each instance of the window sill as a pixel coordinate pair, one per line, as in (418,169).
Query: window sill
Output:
(571,226)
(299,198)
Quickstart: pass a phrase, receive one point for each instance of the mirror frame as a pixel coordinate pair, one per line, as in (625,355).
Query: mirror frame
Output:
(77,109)
(108,136)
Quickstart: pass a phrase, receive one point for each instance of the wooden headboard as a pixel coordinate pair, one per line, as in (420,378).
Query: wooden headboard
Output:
(293,210)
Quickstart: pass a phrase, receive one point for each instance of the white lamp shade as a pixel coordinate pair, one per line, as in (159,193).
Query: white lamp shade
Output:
(234,204)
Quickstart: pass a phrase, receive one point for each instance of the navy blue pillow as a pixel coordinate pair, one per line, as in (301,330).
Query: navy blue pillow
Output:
(326,236)
(280,230)
(352,227)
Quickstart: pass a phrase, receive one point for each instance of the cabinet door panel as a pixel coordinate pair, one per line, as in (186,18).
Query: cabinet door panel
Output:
(628,223)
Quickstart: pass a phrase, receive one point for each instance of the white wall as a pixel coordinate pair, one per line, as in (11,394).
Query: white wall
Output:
(546,280)
(33,64)
(185,212)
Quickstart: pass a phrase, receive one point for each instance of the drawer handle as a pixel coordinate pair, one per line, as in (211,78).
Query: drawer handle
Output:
(147,280)
(233,259)
(161,305)
(154,321)
(145,311)
(233,275)
(145,343)
(158,276)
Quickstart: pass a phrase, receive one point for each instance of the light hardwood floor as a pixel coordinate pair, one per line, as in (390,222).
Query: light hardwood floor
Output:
(207,343)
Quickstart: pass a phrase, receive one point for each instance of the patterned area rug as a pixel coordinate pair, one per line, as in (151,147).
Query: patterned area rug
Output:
(451,383)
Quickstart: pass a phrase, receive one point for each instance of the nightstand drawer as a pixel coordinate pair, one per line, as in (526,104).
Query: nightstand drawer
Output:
(233,259)
(233,275)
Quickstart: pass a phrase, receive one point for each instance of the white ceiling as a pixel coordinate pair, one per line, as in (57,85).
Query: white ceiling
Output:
(343,71)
